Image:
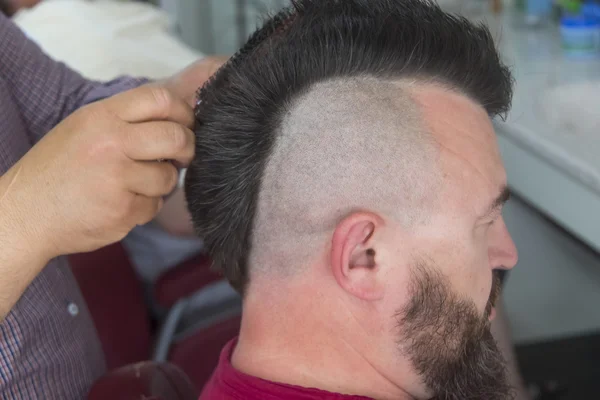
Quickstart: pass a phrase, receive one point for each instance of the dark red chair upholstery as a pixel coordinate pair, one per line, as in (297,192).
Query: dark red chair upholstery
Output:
(183,280)
(115,299)
(198,354)
(148,381)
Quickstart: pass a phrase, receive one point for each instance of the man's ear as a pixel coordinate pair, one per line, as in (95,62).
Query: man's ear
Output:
(354,261)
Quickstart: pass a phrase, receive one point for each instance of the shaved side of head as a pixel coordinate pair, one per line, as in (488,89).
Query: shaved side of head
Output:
(313,118)
(345,145)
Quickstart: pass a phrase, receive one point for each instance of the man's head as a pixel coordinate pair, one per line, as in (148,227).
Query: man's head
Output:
(347,170)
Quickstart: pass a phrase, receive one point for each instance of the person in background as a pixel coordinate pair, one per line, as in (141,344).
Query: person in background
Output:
(348,183)
(132,39)
(145,48)
(78,171)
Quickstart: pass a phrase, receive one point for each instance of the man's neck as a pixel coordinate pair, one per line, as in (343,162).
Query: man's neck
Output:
(278,345)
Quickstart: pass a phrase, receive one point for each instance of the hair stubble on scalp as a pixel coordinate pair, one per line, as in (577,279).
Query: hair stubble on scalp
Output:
(285,110)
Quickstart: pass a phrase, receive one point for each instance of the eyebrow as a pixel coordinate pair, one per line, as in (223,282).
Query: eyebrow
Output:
(498,202)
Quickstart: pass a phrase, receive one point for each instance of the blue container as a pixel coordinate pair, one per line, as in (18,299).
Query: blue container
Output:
(591,11)
(580,36)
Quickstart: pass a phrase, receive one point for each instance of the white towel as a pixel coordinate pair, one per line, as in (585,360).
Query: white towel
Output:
(106,39)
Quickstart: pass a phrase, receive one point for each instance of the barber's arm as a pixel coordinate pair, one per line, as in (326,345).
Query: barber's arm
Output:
(90,178)
(89,181)
(21,258)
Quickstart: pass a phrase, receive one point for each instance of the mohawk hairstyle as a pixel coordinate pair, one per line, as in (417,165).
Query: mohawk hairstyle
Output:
(240,109)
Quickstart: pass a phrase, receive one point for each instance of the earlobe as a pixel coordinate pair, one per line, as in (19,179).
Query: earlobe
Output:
(354,260)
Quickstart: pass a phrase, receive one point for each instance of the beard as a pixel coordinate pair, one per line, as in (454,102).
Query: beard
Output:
(450,343)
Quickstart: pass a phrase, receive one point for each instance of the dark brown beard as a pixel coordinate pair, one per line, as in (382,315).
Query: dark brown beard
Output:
(494,294)
(450,343)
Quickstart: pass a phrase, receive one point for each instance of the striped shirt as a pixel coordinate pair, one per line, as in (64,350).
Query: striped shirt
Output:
(49,348)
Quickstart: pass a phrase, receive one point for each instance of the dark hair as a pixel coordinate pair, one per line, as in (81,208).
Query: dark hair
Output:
(241,107)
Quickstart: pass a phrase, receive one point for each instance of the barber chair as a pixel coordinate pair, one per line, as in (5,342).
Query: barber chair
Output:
(147,380)
(199,323)
(183,281)
(115,298)
(190,336)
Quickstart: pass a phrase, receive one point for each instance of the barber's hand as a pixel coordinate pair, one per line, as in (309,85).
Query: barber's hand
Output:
(95,176)
(186,83)
(174,218)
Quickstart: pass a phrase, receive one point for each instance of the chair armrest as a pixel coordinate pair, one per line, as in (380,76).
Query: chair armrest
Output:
(183,280)
(211,304)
